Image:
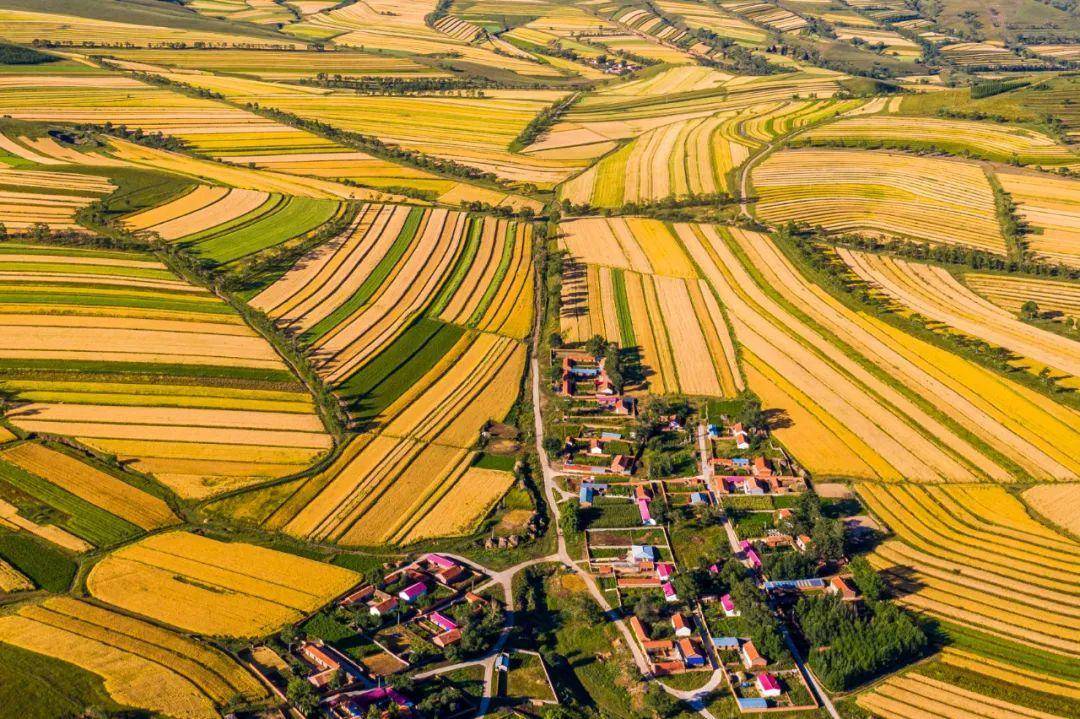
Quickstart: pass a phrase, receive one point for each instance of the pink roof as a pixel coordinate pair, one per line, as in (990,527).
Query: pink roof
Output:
(643,507)
(669,591)
(768,682)
(414,590)
(442,621)
(744,545)
(753,557)
(714,569)
(727,603)
(664,570)
(440,561)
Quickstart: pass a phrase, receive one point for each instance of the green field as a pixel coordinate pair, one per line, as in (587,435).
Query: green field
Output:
(46,566)
(33,686)
(398,367)
(74,514)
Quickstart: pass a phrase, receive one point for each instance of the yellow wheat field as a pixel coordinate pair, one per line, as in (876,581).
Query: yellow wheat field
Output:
(961,556)
(934,293)
(914,696)
(457,509)
(1010,673)
(1051,205)
(215,588)
(889,431)
(1010,293)
(143,665)
(12,580)
(103,490)
(882,194)
(1060,503)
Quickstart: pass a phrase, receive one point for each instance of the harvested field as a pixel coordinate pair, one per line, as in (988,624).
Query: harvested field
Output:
(684,345)
(933,293)
(1060,503)
(92,485)
(992,141)
(880,194)
(460,506)
(180,370)
(384,485)
(11,580)
(934,418)
(1010,293)
(964,551)
(1051,206)
(914,696)
(143,665)
(215,588)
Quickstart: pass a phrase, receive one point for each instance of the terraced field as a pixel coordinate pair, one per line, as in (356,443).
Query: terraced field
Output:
(971,555)
(865,399)
(114,350)
(881,194)
(692,156)
(475,132)
(1010,293)
(264,154)
(352,297)
(993,141)
(30,197)
(143,665)
(674,324)
(205,586)
(385,485)
(935,294)
(1051,206)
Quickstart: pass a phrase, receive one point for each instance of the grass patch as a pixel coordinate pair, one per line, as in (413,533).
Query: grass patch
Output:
(76,515)
(398,367)
(373,281)
(975,682)
(46,566)
(34,686)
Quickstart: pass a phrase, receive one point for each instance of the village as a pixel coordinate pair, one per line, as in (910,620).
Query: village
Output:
(648,488)
(701,532)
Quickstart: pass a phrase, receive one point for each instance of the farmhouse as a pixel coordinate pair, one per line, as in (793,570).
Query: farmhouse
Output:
(680,625)
(841,587)
(691,655)
(728,605)
(670,595)
(767,685)
(750,656)
(413,592)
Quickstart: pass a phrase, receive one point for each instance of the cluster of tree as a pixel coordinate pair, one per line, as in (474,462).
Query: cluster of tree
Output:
(42,232)
(732,56)
(989,88)
(852,648)
(611,356)
(156,140)
(541,122)
(173,45)
(830,540)
(376,85)
(651,208)
(815,244)
(19,55)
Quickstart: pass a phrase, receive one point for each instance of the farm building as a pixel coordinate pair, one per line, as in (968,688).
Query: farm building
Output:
(750,656)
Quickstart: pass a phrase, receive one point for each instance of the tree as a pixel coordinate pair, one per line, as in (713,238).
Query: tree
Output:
(869,582)
(302,695)
(662,704)
(596,346)
(1029,310)
(647,610)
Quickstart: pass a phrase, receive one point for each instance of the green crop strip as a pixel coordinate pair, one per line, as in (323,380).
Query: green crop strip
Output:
(622,308)
(373,282)
(464,262)
(500,273)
